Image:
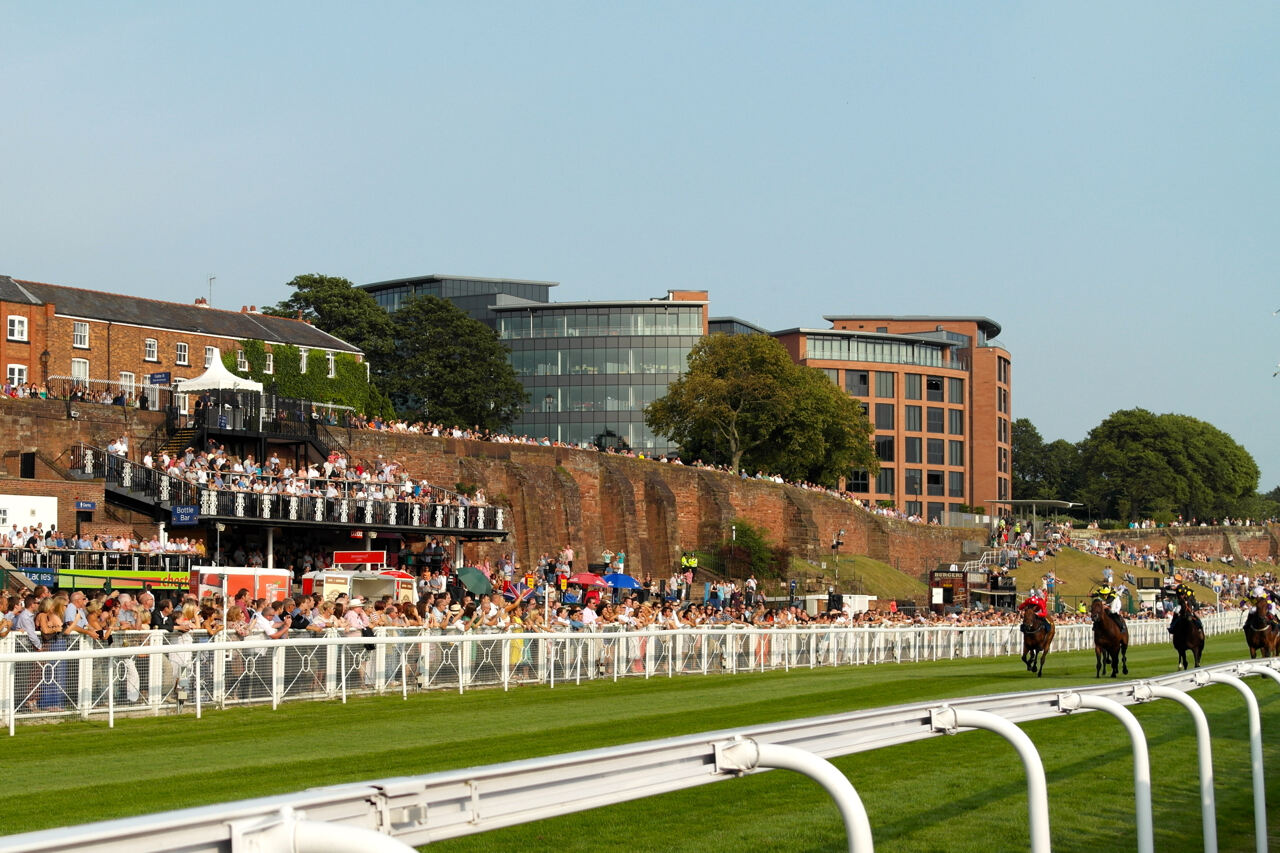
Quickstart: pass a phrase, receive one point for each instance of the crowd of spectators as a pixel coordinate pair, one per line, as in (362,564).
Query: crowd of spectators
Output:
(37,538)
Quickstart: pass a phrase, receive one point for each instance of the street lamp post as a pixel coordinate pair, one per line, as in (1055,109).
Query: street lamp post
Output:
(836,542)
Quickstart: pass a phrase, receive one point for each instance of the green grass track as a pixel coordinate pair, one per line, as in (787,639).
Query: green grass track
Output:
(962,793)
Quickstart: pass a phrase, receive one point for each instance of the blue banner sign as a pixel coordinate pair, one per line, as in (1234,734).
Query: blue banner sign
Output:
(159,378)
(86,506)
(184,515)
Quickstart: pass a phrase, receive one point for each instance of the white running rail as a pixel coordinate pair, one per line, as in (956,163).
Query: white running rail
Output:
(417,810)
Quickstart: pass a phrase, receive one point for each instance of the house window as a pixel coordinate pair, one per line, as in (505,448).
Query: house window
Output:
(912,389)
(126,383)
(242,363)
(269,366)
(210,353)
(330,366)
(855,383)
(150,350)
(884,415)
(884,384)
(934,419)
(935,448)
(80,370)
(16,374)
(302,359)
(80,335)
(180,354)
(17,328)
(955,421)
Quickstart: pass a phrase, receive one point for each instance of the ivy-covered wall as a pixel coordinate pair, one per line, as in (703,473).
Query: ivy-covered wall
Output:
(348,386)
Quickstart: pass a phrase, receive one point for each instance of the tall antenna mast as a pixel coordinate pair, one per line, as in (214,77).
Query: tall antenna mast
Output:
(212,279)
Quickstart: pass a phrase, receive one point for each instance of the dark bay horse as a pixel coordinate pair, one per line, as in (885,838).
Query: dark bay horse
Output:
(1188,632)
(1110,639)
(1259,633)
(1037,636)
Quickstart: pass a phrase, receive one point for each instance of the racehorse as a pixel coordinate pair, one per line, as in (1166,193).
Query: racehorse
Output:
(1259,633)
(1037,636)
(1188,632)
(1110,639)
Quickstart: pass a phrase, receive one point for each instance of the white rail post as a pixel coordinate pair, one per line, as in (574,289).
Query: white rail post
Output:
(948,719)
(1255,757)
(1204,752)
(742,755)
(1069,702)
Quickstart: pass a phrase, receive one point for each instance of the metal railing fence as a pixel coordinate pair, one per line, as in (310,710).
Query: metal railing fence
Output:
(154,672)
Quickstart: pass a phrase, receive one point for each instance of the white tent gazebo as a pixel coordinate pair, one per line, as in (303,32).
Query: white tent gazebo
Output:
(217,378)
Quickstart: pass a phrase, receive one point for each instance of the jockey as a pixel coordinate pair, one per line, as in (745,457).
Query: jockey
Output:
(1036,600)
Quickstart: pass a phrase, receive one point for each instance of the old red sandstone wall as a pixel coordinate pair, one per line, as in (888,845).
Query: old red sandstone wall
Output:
(559,496)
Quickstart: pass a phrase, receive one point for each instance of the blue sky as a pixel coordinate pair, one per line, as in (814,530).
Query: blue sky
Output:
(1099,178)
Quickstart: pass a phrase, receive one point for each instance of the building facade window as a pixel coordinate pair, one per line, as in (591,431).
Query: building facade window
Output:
(912,447)
(936,451)
(855,383)
(884,415)
(955,390)
(884,448)
(150,350)
(16,374)
(934,420)
(127,384)
(210,353)
(955,421)
(17,327)
(1002,370)
(914,481)
(955,450)
(884,384)
(1002,401)
(180,354)
(911,386)
(914,508)
(884,481)
(80,369)
(80,334)
(269,364)
(955,484)
(242,363)
(911,418)
(859,481)
(832,374)
(933,484)
(933,389)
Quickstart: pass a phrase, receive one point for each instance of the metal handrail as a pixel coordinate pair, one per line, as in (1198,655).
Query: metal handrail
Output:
(421,809)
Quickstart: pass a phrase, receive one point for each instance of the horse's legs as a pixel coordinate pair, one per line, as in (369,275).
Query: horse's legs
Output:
(1097,653)
(1123,654)
(1044,653)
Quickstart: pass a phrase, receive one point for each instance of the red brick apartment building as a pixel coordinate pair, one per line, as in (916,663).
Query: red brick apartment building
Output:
(938,393)
(57,335)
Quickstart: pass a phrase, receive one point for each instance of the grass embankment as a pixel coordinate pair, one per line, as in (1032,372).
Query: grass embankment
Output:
(964,793)
(872,577)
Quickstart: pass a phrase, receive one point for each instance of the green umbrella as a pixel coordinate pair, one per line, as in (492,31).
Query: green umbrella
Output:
(474,580)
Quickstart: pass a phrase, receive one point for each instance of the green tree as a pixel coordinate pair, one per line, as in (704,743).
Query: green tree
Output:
(450,369)
(744,403)
(1138,464)
(334,305)
(1041,471)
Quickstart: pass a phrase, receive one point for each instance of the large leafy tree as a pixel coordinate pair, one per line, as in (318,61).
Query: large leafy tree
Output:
(334,305)
(744,403)
(1042,471)
(450,369)
(1136,463)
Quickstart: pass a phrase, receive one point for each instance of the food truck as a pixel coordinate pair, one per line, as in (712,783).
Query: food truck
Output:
(271,584)
(370,583)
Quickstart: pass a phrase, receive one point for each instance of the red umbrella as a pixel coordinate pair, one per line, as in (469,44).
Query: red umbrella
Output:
(587,579)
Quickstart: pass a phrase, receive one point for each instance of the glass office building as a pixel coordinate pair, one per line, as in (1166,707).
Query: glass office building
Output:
(590,368)
(472,295)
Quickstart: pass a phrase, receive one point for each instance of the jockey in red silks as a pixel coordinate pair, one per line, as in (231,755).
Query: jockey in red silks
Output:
(1036,598)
